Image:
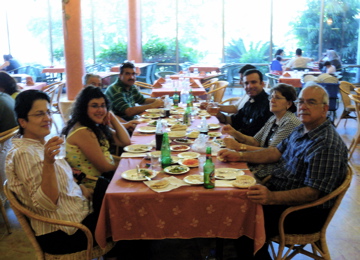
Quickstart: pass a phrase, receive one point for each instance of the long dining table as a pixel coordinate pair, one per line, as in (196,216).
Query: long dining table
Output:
(198,90)
(132,211)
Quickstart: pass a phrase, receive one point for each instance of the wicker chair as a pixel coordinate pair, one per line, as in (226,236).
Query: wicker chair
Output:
(141,84)
(356,140)
(218,91)
(345,88)
(51,91)
(296,242)
(5,144)
(24,215)
(230,101)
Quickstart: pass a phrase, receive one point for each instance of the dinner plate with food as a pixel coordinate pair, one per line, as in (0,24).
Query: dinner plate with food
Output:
(244,182)
(160,184)
(193,134)
(220,142)
(189,162)
(189,155)
(214,134)
(132,175)
(179,148)
(176,134)
(183,141)
(151,115)
(152,123)
(227,173)
(176,169)
(154,110)
(213,126)
(194,179)
(146,129)
(137,148)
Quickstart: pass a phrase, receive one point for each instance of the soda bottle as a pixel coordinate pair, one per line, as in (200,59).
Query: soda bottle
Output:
(158,134)
(209,170)
(165,152)
(187,115)
(176,98)
(204,128)
(191,99)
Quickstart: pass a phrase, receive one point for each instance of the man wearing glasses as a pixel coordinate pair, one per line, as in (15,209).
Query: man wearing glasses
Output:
(309,164)
(124,95)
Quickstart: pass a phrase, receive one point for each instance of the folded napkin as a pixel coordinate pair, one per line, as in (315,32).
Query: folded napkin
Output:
(174,183)
(223,183)
(129,155)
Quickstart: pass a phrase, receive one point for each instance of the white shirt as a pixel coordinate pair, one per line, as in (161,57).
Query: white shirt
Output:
(331,69)
(24,164)
(298,62)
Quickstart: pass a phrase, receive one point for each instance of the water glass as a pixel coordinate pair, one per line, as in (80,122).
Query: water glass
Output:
(62,149)
(155,162)
(202,160)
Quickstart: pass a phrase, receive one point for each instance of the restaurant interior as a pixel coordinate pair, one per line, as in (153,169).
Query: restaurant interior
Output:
(206,41)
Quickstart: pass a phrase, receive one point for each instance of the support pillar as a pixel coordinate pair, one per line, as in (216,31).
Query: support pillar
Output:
(73,47)
(134,31)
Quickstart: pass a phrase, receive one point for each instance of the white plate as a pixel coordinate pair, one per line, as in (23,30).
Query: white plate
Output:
(193,134)
(152,123)
(131,175)
(220,142)
(227,173)
(174,159)
(213,126)
(244,182)
(154,110)
(179,148)
(181,162)
(182,169)
(147,129)
(151,115)
(214,134)
(176,134)
(183,141)
(194,179)
(189,155)
(137,148)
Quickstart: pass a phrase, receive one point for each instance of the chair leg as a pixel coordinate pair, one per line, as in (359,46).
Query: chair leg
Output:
(6,220)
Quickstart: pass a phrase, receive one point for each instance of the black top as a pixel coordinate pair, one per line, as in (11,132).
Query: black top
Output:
(253,115)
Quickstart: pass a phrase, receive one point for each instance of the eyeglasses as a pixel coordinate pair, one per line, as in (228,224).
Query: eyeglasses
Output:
(96,106)
(308,103)
(42,114)
(275,97)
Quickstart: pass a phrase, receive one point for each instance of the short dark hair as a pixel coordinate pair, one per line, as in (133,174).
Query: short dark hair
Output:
(8,83)
(327,63)
(245,68)
(7,57)
(126,65)
(288,92)
(24,102)
(252,71)
(279,58)
(278,52)
(299,51)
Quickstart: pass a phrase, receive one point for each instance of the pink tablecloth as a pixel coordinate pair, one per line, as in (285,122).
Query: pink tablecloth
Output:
(37,85)
(207,67)
(54,70)
(131,211)
(159,92)
(294,79)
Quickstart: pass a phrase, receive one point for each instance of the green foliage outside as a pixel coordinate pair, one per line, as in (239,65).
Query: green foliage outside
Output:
(58,54)
(115,53)
(342,34)
(236,52)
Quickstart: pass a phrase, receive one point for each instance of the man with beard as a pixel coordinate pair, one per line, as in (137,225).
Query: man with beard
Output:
(124,95)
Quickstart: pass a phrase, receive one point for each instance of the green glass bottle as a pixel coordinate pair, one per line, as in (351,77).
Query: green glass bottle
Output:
(209,171)
(187,115)
(176,98)
(165,152)
(191,99)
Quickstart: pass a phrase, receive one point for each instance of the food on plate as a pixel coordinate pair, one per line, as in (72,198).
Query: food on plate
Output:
(286,74)
(214,134)
(190,162)
(179,147)
(176,134)
(183,141)
(193,134)
(160,184)
(244,181)
(145,172)
(220,159)
(213,126)
(176,169)
(152,123)
(220,142)
(178,127)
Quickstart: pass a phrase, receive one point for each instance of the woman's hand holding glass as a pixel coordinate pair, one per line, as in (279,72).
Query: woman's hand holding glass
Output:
(51,149)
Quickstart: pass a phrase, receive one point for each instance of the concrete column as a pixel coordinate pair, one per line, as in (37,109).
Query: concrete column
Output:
(73,48)
(134,31)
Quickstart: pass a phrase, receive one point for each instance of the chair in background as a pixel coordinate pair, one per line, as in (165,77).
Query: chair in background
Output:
(143,85)
(232,75)
(51,90)
(24,216)
(272,80)
(36,73)
(356,140)
(162,74)
(218,91)
(5,145)
(333,91)
(296,242)
(147,74)
(20,70)
(230,101)
(210,84)
(345,88)
(301,69)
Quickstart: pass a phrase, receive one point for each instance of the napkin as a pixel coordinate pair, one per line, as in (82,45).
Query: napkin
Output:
(223,183)
(129,155)
(174,184)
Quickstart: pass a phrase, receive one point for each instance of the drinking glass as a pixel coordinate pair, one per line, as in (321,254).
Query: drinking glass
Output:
(201,159)
(213,108)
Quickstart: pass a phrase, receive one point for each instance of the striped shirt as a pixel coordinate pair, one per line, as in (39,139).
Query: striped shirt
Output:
(121,99)
(317,159)
(24,164)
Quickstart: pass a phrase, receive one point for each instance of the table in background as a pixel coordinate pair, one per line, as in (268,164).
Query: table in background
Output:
(207,67)
(20,77)
(53,70)
(37,85)
(202,78)
(106,77)
(138,67)
(132,211)
(159,92)
(294,80)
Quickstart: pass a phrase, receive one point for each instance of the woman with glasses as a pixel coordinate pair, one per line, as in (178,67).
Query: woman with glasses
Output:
(277,128)
(89,134)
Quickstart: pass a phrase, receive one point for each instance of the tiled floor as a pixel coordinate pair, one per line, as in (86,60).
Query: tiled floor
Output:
(343,232)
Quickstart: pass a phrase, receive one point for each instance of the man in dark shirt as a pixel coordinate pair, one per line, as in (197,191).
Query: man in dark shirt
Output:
(254,114)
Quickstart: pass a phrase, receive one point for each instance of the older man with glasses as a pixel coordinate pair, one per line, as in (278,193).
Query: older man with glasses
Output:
(309,164)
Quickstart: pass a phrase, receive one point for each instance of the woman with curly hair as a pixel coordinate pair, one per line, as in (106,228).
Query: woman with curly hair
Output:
(89,134)
(8,85)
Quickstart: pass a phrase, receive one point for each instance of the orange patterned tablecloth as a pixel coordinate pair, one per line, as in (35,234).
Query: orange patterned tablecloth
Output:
(132,211)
